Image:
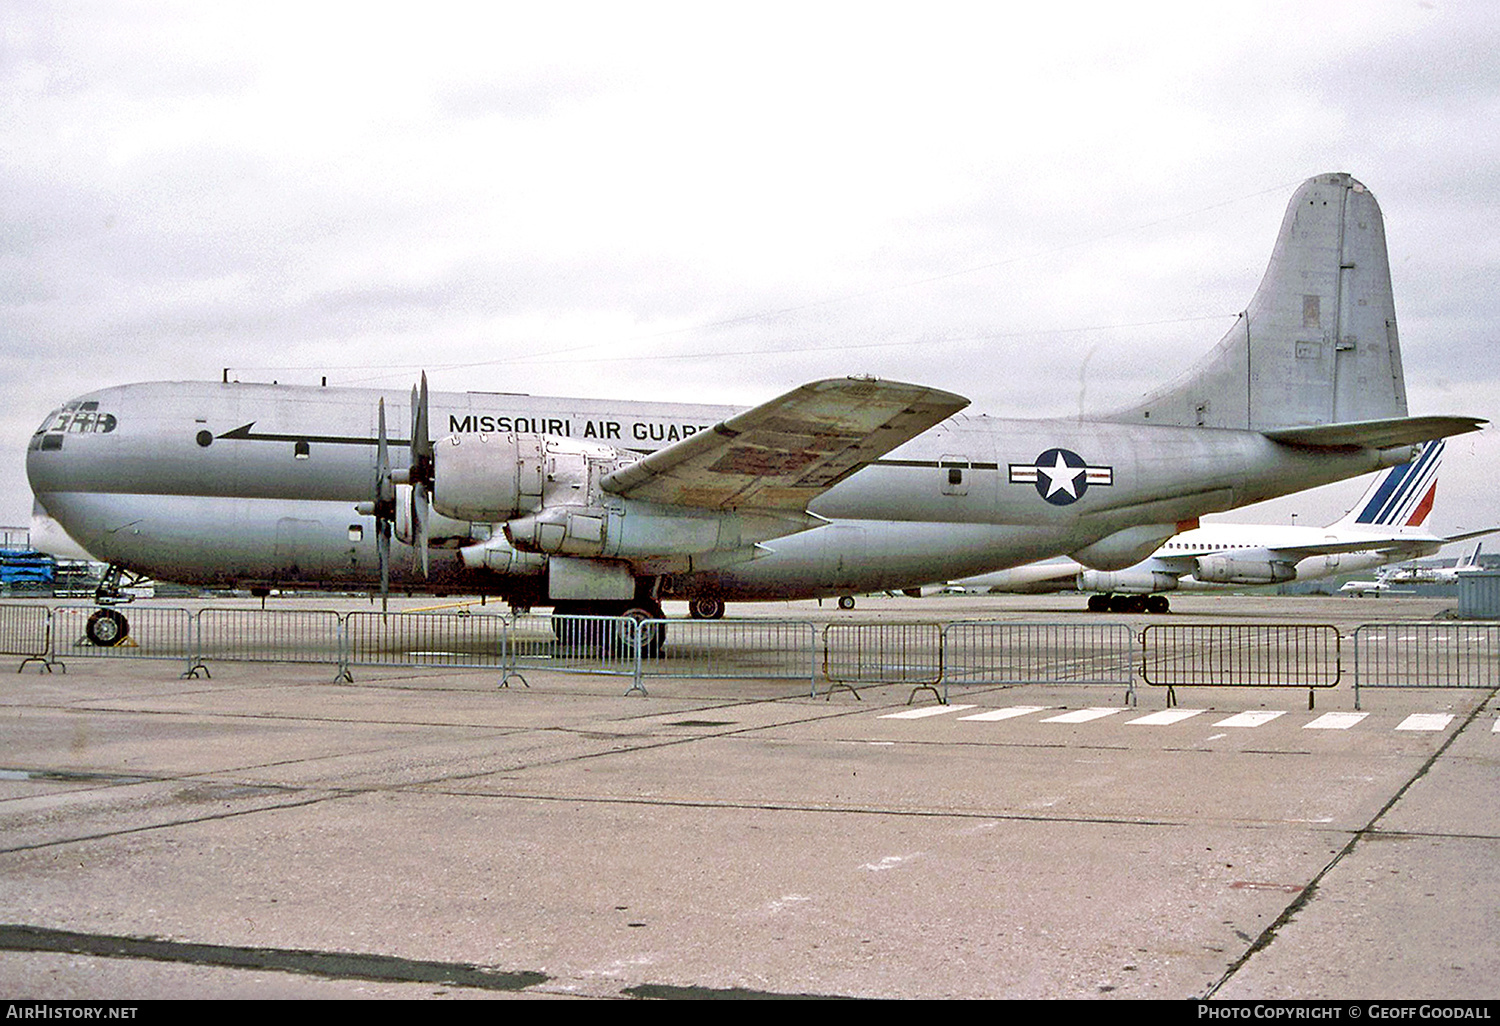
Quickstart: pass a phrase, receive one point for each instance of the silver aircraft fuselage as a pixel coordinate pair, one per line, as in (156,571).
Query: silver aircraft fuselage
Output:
(248,484)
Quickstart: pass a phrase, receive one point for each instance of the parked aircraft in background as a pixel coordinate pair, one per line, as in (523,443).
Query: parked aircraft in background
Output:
(1383,527)
(836,488)
(1404,576)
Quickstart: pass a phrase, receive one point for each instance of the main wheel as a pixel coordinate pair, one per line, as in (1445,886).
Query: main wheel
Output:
(653,635)
(706,608)
(107,628)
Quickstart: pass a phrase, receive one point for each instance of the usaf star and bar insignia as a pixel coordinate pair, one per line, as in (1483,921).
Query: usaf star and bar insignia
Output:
(1061,476)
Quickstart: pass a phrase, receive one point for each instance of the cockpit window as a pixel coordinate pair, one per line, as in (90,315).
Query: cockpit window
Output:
(75,418)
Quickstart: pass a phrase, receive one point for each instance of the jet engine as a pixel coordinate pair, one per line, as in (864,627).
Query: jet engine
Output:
(1228,570)
(1139,582)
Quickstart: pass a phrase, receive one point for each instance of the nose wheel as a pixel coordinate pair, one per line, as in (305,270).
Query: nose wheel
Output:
(107,628)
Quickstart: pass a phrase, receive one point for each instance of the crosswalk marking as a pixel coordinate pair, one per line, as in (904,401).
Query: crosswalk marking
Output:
(1081,716)
(1163,718)
(925,711)
(1251,719)
(1425,721)
(1166,717)
(1334,721)
(1005,714)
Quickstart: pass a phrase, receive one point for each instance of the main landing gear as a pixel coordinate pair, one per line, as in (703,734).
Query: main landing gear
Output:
(706,608)
(1129,604)
(574,629)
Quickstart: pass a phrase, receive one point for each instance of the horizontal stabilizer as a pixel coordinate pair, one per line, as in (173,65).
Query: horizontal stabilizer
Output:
(1375,434)
(784,453)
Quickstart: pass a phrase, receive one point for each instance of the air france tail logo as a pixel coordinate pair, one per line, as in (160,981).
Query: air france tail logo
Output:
(1061,476)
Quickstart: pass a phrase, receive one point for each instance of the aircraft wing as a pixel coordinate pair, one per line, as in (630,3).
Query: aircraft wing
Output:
(1376,434)
(1449,539)
(784,453)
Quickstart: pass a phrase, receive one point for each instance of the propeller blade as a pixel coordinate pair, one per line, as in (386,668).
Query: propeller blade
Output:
(420,473)
(385,507)
(421,503)
(383,545)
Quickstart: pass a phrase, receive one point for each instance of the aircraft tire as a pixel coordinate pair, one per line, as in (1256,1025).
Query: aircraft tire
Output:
(1098,603)
(846,601)
(706,608)
(1158,604)
(654,635)
(107,628)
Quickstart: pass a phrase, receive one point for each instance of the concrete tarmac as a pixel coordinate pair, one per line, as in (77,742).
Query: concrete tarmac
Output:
(420,833)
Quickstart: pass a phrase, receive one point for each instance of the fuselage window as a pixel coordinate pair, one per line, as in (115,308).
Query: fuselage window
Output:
(302,450)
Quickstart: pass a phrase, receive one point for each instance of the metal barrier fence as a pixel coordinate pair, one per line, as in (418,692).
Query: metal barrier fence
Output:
(924,655)
(883,653)
(1039,653)
(1426,655)
(150,632)
(1241,655)
(268,636)
(736,650)
(26,631)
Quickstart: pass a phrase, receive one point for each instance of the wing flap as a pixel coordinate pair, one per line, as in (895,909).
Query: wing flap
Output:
(782,454)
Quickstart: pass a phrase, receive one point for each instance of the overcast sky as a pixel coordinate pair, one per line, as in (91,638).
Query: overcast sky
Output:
(1044,208)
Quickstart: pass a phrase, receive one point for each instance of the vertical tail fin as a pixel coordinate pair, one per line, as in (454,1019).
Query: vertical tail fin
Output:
(1472,559)
(1401,496)
(1317,344)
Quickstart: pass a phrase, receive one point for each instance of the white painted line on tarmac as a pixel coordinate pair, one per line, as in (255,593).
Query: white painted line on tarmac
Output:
(1334,721)
(1496,728)
(925,711)
(1425,721)
(1251,719)
(1081,716)
(1164,717)
(1005,714)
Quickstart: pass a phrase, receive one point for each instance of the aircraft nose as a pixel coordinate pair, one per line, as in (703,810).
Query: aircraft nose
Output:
(45,463)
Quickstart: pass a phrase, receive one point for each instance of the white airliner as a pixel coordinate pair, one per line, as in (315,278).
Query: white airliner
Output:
(1385,526)
(836,488)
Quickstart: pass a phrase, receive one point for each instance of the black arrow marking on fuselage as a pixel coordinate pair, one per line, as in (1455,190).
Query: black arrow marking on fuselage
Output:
(244,434)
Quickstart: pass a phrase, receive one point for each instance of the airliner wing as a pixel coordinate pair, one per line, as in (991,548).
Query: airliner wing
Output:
(1419,546)
(784,453)
(1448,539)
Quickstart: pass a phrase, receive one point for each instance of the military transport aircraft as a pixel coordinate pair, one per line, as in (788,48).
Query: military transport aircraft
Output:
(1385,526)
(837,487)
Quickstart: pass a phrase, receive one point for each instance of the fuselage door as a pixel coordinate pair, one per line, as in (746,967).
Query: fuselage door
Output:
(955,471)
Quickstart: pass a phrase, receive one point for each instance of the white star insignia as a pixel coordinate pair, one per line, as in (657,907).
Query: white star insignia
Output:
(1062,476)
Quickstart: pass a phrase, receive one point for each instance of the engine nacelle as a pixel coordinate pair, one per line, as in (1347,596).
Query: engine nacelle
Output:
(635,530)
(1125,548)
(1134,582)
(497,556)
(1228,570)
(492,478)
